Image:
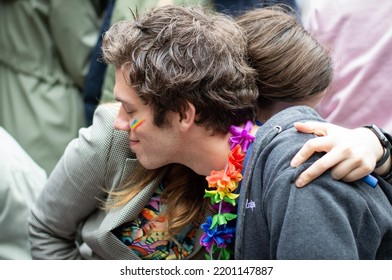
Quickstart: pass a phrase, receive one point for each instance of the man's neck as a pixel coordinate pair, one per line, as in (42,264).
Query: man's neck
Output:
(208,153)
(205,152)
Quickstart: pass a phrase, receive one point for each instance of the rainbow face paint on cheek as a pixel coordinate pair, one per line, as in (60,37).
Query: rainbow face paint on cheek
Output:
(136,123)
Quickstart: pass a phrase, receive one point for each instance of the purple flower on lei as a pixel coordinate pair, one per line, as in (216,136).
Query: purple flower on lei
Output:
(241,136)
(220,235)
(225,208)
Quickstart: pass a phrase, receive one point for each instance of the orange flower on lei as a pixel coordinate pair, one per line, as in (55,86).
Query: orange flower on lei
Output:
(225,182)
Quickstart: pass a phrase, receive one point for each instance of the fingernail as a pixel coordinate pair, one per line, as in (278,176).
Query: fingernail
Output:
(294,162)
(299,183)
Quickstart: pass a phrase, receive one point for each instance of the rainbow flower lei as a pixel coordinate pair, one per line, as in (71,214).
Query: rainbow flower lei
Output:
(218,231)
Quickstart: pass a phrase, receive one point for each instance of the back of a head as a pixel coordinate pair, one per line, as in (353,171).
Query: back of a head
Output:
(186,54)
(291,65)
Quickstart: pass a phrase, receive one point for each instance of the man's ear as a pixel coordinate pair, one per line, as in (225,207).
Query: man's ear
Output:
(187,119)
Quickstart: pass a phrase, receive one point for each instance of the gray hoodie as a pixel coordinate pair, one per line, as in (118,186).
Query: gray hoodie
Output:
(328,219)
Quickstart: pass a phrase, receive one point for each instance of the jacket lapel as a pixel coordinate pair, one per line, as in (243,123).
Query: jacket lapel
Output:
(111,246)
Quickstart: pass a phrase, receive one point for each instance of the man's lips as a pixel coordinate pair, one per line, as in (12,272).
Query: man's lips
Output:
(133,142)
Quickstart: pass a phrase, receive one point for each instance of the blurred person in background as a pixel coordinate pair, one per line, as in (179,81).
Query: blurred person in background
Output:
(45,50)
(21,179)
(359,36)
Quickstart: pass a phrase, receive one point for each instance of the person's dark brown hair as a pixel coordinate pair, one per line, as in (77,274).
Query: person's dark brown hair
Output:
(290,64)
